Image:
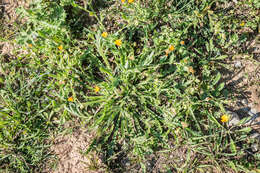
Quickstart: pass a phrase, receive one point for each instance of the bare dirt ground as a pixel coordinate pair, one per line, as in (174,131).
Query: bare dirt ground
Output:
(243,80)
(69,149)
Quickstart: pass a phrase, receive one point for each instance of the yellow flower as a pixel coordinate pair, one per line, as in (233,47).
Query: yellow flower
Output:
(224,118)
(97,89)
(171,48)
(132,57)
(122,1)
(61,82)
(104,34)
(191,70)
(130,1)
(30,45)
(242,23)
(182,42)
(118,42)
(184,124)
(91,13)
(208,99)
(70,99)
(60,47)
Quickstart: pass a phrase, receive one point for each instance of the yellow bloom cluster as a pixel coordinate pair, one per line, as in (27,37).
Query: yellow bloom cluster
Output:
(70,99)
(224,118)
(104,34)
(60,47)
(118,42)
(97,89)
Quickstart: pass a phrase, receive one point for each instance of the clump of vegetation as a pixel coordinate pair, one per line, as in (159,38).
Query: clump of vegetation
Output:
(144,75)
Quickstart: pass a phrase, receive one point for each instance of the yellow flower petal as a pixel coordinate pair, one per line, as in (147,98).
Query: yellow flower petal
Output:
(104,34)
(60,47)
(70,99)
(97,89)
(224,118)
(242,23)
(171,48)
(182,42)
(130,1)
(118,42)
(191,70)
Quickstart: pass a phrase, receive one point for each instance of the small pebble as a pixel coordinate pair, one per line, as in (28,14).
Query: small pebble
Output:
(255,136)
(254,147)
(127,164)
(254,110)
(234,119)
(238,64)
(244,101)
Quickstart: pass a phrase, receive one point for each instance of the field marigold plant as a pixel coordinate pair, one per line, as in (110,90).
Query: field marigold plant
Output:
(150,84)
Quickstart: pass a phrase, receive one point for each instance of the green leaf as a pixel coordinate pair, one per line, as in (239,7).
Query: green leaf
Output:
(104,70)
(148,60)
(246,129)
(232,146)
(211,117)
(220,87)
(101,118)
(216,79)
(221,57)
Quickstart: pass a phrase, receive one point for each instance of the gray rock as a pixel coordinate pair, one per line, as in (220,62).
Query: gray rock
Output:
(253,117)
(127,164)
(255,136)
(238,64)
(253,110)
(244,101)
(254,147)
(234,118)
